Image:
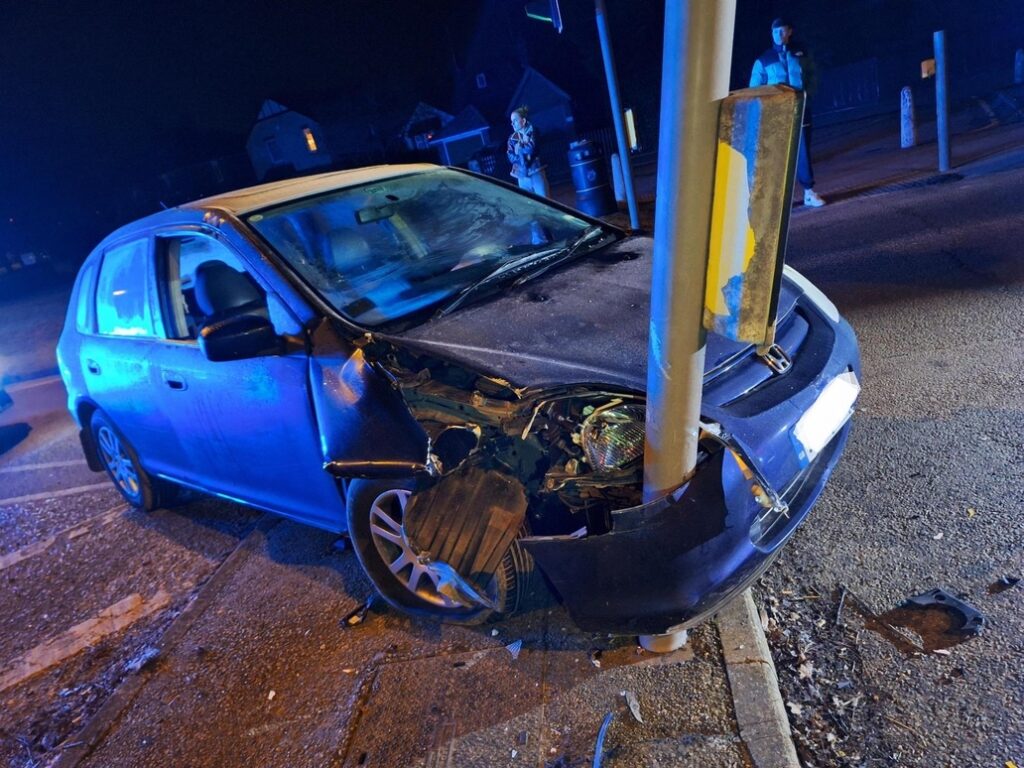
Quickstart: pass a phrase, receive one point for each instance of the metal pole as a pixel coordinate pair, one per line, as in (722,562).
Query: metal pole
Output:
(695,78)
(941,99)
(620,127)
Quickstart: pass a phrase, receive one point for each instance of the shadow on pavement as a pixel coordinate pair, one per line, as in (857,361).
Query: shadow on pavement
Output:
(11,435)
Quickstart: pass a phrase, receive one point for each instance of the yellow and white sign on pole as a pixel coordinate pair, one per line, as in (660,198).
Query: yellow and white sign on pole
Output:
(758,136)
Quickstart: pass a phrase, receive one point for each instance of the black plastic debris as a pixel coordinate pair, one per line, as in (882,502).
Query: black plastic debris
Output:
(1002,584)
(357,615)
(939,619)
(971,620)
(927,623)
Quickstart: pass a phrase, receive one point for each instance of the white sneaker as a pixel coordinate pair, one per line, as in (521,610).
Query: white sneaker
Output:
(812,199)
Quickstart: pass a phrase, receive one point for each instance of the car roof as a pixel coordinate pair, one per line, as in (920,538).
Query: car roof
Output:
(243,201)
(249,199)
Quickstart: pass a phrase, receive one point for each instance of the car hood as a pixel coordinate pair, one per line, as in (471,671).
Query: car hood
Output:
(584,323)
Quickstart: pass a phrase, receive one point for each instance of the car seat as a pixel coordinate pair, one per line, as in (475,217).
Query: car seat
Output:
(221,291)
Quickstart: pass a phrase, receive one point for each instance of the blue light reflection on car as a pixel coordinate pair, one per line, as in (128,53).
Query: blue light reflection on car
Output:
(372,350)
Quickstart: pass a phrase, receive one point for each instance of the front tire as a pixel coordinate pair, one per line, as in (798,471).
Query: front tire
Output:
(375,510)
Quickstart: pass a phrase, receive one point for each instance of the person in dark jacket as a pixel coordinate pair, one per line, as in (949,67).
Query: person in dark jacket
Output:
(522,154)
(788,63)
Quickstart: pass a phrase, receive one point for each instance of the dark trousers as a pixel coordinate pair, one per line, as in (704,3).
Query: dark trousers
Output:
(804,171)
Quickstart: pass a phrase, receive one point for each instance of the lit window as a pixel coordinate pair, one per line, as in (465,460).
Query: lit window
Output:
(310,139)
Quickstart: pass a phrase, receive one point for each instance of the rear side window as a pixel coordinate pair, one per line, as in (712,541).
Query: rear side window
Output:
(83,314)
(122,301)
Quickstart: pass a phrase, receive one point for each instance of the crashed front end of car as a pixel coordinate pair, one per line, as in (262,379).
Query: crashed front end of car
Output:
(510,338)
(769,441)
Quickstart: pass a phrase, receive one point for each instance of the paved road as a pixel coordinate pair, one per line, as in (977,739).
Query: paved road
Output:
(930,492)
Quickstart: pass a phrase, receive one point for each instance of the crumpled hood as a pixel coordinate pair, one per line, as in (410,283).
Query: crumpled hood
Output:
(586,322)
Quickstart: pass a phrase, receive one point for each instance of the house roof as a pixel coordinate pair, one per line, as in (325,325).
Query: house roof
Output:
(271,108)
(425,111)
(533,81)
(468,121)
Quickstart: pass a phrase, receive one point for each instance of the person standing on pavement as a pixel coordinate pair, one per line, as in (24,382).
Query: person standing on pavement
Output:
(522,154)
(788,63)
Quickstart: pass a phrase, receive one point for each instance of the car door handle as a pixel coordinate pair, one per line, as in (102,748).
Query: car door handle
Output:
(174,380)
(92,366)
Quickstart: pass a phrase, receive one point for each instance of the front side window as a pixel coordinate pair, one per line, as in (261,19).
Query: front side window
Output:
(178,258)
(401,247)
(122,298)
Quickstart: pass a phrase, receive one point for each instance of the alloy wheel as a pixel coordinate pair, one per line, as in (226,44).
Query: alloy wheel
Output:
(119,464)
(386,515)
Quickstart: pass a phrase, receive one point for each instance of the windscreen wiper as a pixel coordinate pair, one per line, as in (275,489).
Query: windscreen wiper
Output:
(531,265)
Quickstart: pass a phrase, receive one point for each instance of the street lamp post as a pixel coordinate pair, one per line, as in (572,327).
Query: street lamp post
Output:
(617,120)
(695,79)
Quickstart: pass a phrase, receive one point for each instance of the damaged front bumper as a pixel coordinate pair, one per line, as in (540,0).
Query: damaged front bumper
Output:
(671,563)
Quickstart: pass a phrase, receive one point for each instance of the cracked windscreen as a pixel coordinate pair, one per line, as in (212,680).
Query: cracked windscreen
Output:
(400,248)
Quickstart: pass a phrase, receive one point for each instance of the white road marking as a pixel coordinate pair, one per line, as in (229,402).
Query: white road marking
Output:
(44,465)
(32,384)
(55,494)
(57,649)
(79,529)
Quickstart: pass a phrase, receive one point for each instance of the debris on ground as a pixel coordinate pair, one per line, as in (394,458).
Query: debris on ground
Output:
(940,618)
(921,624)
(595,657)
(341,544)
(357,615)
(821,675)
(1002,584)
(634,706)
(514,648)
(599,746)
(142,659)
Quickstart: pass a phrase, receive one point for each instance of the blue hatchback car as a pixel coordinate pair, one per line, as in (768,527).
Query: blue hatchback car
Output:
(453,371)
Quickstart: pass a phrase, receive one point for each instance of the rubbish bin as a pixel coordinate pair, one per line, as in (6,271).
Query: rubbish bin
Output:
(589,170)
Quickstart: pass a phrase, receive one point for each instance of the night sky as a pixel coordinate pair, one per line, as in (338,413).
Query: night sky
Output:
(101,95)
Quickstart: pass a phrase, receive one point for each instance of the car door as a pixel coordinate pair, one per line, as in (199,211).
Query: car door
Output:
(247,425)
(117,352)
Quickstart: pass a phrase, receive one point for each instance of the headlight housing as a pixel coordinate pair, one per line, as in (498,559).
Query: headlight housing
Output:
(612,437)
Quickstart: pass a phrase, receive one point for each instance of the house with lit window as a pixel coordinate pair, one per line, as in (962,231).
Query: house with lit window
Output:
(285,143)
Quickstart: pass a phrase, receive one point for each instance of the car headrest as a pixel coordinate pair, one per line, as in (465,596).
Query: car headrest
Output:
(219,289)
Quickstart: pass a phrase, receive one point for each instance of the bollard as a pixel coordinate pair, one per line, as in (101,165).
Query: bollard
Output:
(618,185)
(941,100)
(1018,66)
(908,128)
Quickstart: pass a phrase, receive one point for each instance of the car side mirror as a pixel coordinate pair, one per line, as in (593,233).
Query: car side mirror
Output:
(239,337)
